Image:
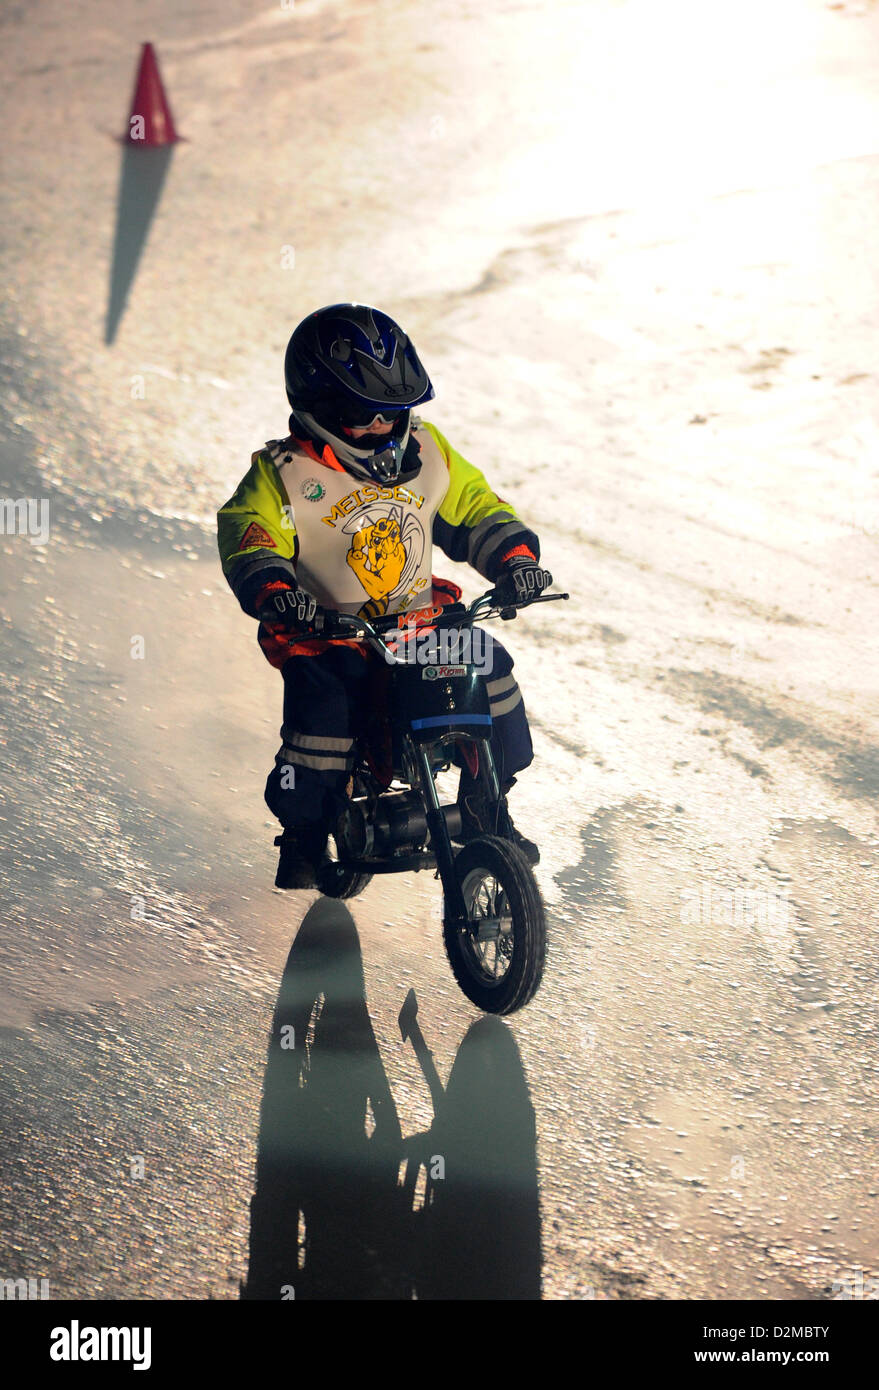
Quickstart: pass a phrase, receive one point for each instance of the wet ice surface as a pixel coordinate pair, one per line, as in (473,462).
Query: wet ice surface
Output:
(656,336)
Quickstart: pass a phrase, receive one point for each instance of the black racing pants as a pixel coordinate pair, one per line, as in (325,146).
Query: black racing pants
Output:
(327,701)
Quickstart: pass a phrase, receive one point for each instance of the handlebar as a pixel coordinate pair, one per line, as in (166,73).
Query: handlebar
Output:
(350,627)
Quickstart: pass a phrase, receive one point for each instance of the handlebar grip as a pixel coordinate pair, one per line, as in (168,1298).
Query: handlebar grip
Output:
(325,622)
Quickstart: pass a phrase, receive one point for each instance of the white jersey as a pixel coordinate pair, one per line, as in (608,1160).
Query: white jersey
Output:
(362,548)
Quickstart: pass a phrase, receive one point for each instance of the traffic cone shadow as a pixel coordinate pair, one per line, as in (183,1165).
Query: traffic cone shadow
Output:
(141,179)
(147,149)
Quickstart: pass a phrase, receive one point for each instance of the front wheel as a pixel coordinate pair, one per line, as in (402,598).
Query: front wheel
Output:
(498,958)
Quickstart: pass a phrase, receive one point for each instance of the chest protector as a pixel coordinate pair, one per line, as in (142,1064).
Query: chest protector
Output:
(364,548)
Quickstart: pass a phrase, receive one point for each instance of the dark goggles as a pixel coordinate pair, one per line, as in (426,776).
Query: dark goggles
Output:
(360,417)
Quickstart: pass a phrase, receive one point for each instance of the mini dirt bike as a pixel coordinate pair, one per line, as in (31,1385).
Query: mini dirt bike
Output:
(494,928)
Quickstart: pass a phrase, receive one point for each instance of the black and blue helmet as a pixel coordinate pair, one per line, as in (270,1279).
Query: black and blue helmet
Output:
(346,365)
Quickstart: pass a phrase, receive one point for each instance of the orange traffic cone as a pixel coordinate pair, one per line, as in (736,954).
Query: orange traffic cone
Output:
(150,122)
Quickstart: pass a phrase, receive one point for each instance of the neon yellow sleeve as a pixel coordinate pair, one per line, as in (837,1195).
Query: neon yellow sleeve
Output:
(473,524)
(255,532)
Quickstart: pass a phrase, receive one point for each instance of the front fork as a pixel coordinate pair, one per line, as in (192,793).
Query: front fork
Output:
(455,907)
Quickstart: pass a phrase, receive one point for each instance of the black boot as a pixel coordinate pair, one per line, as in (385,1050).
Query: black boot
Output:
(303,851)
(480,816)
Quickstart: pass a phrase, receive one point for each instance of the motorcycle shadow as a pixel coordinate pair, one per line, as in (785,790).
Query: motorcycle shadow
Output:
(344,1205)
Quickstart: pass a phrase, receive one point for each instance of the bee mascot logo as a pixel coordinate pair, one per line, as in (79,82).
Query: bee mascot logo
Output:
(385,552)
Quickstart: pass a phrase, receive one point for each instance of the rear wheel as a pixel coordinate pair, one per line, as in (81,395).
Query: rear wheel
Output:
(337,881)
(498,958)
(333,879)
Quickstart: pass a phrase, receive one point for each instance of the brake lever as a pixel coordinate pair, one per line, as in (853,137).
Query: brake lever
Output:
(508,613)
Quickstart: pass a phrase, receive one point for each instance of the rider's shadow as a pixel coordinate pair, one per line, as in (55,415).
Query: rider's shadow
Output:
(344,1207)
(325,1184)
